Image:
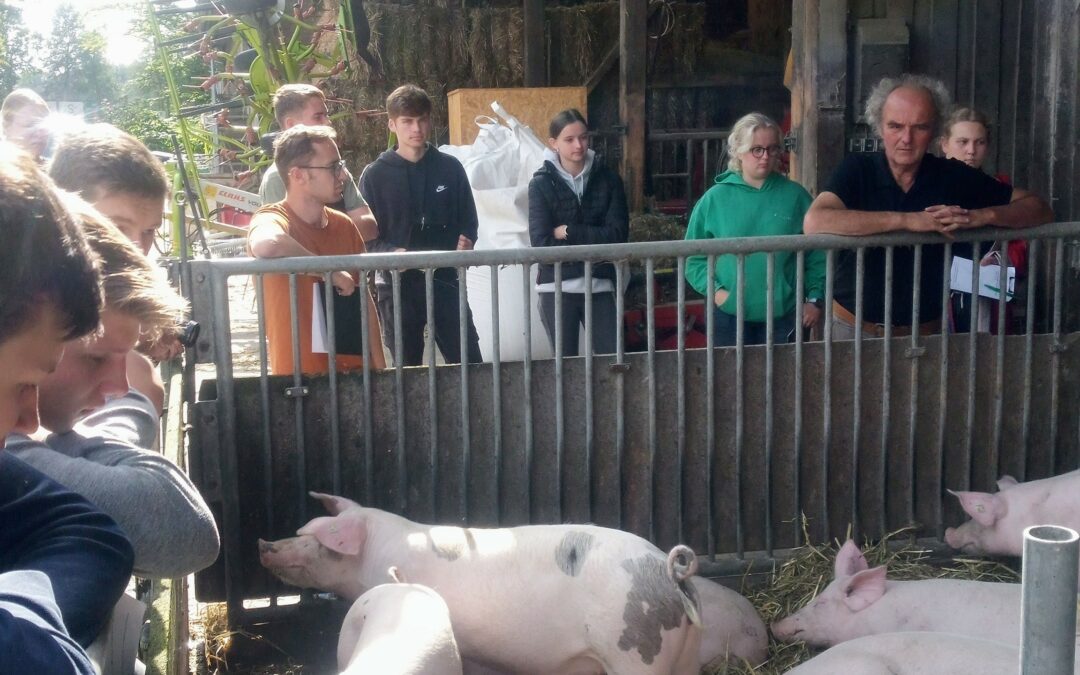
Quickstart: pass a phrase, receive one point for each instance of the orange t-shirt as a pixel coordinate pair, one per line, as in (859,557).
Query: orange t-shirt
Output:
(338,237)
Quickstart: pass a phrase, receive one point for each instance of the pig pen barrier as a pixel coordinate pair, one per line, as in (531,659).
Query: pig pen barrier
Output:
(721,449)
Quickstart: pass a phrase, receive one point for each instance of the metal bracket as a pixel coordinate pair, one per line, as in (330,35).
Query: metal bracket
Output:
(914,352)
(619,367)
(1059,348)
(791,142)
(296,392)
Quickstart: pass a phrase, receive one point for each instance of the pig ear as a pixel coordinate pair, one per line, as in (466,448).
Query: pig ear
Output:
(864,589)
(340,534)
(849,560)
(1006,482)
(983,507)
(333,505)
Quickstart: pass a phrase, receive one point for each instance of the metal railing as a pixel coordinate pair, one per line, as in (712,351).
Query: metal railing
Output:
(723,449)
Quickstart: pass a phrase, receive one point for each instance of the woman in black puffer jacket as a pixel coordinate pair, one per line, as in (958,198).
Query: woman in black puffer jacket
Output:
(574,199)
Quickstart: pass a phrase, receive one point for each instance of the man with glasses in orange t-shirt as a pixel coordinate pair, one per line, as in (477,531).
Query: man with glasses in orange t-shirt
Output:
(308,161)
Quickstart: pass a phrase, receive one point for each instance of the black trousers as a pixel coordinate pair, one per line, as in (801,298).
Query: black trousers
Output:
(414,317)
(605,323)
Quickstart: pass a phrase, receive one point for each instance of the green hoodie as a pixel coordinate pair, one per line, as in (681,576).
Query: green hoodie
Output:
(731,208)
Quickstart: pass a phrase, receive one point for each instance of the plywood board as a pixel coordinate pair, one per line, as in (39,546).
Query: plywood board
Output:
(534,106)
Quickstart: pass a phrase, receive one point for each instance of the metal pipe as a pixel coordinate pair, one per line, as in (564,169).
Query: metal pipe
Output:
(560,393)
(298,397)
(913,398)
(399,397)
(589,431)
(1048,605)
(856,403)
(826,396)
(526,384)
(1029,350)
(466,427)
(710,402)
(433,396)
(770,326)
(650,359)
(496,390)
(264,403)
(331,354)
(680,394)
(740,403)
(943,390)
(886,392)
(800,294)
(620,381)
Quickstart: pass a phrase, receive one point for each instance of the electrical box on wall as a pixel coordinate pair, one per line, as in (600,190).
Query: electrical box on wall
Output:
(882,49)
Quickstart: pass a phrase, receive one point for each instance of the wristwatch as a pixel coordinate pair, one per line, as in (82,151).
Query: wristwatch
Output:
(818,302)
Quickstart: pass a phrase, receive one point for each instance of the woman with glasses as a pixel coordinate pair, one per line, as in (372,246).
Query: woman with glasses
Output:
(575,199)
(751,199)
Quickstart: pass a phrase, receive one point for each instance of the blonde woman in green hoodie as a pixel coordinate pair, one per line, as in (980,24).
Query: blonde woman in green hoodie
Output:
(751,199)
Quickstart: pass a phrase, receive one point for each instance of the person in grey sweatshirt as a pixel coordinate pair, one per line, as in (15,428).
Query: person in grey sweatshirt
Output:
(98,433)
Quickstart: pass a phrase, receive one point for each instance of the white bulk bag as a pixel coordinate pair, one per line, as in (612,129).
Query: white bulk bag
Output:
(499,164)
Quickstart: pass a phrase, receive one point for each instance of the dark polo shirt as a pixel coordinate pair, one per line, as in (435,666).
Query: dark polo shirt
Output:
(865,183)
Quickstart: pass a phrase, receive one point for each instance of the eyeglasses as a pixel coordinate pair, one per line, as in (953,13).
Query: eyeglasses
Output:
(336,168)
(759,151)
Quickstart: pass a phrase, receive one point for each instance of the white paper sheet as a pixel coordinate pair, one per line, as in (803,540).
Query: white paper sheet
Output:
(989,279)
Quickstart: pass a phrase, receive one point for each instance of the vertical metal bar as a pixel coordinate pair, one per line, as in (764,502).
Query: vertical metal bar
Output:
(466,427)
(710,401)
(298,401)
(226,411)
(826,395)
(433,393)
(526,383)
(680,393)
(943,389)
(1055,357)
(399,397)
(620,381)
(972,364)
(366,398)
(740,402)
(589,432)
(331,354)
(999,358)
(650,323)
(1035,248)
(264,402)
(886,391)
(770,324)
(800,295)
(560,422)
(913,400)
(496,390)
(1048,594)
(856,403)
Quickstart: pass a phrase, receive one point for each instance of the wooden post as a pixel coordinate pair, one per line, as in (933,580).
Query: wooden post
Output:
(819,91)
(632,37)
(535,65)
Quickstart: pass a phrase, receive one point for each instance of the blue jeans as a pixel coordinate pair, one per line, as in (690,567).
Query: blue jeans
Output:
(754,332)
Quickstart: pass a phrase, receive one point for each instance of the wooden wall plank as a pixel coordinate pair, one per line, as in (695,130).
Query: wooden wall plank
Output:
(633,16)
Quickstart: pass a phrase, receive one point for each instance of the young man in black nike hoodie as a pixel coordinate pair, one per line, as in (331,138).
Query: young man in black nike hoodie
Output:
(422,201)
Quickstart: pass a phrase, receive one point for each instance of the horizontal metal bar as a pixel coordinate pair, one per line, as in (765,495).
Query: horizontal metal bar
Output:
(632,251)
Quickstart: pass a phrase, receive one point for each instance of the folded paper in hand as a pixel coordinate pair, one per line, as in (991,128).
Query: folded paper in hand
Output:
(989,279)
(348,337)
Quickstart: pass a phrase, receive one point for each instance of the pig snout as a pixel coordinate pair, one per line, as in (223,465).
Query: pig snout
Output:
(266,547)
(786,629)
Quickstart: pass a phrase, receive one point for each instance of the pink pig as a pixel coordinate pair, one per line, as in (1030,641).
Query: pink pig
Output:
(861,601)
(998,520)
(915,654)
(398,629)
(569,599)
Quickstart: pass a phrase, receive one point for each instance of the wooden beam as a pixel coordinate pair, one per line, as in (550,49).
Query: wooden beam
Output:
(535,63)
(602,70)
(819,91)
(633,16)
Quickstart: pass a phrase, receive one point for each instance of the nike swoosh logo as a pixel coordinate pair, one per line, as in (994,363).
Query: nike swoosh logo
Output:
(440,188)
